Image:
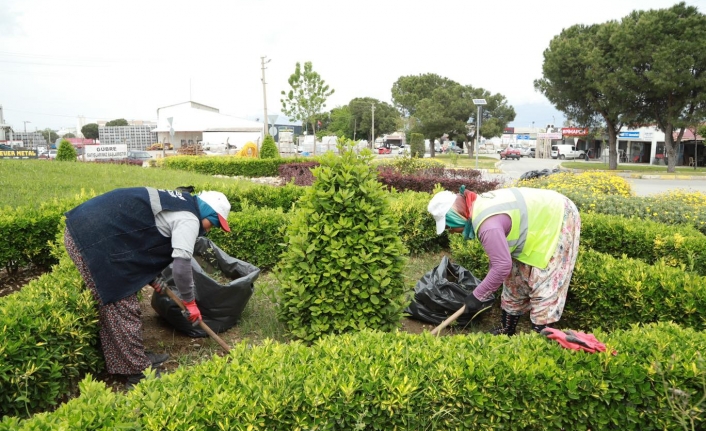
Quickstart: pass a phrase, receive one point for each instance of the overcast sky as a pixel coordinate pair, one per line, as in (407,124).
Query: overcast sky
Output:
(124,59)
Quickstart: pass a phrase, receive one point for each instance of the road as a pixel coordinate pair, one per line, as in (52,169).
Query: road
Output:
(513,169)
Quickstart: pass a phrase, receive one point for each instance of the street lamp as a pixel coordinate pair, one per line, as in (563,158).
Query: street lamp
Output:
(26,125)
(479,103)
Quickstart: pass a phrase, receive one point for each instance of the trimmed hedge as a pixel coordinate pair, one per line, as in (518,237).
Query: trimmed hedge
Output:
(26,233)
(650,241)
(231,166)
(49,340)
(385,381)
(615,293)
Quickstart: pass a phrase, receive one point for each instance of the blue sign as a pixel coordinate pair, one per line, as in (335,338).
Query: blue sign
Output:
(523,137)
(629,135)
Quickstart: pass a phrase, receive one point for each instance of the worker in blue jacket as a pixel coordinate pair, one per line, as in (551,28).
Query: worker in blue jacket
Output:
(120,241)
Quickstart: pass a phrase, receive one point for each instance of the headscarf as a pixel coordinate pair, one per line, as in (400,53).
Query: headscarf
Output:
(208,212)
(460,214)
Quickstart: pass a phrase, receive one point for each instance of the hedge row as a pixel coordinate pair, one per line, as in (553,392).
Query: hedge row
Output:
(650,241)
(231,166)
(49,340)
(385,381)
(615,293)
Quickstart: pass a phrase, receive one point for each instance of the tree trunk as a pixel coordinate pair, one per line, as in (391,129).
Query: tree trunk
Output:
(612,147)
(432,150)
(471,148)
(671,149)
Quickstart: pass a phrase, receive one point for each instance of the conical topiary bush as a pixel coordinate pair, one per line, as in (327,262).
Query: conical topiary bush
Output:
(341,269)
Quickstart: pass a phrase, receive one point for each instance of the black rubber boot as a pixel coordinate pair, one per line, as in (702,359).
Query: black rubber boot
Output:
(509,323)
(157,358)
(538,328)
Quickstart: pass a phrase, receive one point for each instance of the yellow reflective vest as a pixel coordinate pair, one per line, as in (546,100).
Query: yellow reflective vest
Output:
(537,216)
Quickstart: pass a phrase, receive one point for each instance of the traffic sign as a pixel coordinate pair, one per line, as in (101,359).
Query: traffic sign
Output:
(171,129)
(273,131)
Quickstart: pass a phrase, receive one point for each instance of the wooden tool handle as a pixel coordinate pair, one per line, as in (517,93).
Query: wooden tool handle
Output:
(449,320)
(203,326)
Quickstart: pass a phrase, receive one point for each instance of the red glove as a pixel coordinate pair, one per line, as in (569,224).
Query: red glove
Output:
(158,284)
(192,312)
(574,340)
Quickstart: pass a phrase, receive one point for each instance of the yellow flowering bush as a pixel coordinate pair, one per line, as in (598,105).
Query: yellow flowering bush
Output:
(586,182)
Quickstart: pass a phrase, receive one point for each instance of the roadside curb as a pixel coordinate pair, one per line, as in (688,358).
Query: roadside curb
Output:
(628,174)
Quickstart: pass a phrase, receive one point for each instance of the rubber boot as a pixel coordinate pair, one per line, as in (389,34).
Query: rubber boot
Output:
(538,328)
(509,323)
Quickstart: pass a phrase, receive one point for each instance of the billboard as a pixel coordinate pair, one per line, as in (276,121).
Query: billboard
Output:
(18,154)
(94,152)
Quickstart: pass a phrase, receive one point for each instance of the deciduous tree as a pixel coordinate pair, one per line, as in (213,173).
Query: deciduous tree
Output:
(307,96)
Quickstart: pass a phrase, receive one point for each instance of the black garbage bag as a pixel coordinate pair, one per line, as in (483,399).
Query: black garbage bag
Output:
(221,305)
(538,173)
(440,293)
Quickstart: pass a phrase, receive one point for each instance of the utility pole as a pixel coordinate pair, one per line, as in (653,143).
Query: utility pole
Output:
(264,92)
(372,127)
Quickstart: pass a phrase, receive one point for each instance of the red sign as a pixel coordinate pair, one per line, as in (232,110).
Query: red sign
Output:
(509,130)
(574,131)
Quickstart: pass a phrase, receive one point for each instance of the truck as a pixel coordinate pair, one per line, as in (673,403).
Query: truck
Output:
(563,151)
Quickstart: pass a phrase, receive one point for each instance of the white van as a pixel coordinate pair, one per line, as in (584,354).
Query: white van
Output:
(563,151)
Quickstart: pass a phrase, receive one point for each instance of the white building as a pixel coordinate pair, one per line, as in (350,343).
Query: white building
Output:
(195,123)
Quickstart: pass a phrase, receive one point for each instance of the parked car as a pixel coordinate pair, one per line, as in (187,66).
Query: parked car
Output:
(532,153)
(138,155)
(525,152)
(510,153)
(51,155)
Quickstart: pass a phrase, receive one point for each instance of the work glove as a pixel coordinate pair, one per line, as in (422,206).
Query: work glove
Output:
(192,312)
(474,306)
(158,284)
(574,340)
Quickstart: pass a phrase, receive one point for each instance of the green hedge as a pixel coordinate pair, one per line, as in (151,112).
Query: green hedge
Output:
(256,235)
(26,233)
(231,166)
(49,340)
(385,381)
(614,293)
(647,240)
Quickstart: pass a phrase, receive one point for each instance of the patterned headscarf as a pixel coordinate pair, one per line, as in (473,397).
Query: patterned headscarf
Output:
(461,211)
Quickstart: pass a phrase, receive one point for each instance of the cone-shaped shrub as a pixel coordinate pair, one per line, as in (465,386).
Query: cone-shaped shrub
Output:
(269,148)
(342,266)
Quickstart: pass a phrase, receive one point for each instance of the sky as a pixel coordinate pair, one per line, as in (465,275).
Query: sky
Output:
(125,59)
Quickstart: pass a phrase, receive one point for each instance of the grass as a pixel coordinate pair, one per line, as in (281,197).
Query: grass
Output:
(633,167)
(45,180)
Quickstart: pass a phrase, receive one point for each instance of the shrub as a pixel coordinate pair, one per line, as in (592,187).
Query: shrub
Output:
(256,235)
(299,172)
(66,152)
(594,183)
(342,265)
(411,166)
(50,340)
(269,150)
(416,145)
(398,381)
(449,179)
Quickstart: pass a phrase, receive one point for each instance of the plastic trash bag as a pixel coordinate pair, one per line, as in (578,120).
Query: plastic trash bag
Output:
(536,174)
(221,305)
(440,293)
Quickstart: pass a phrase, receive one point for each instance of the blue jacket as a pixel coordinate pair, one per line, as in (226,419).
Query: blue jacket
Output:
(117,236)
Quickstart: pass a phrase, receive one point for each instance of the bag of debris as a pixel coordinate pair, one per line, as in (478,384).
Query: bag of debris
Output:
(223,286)
(538,174)
(440,293)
